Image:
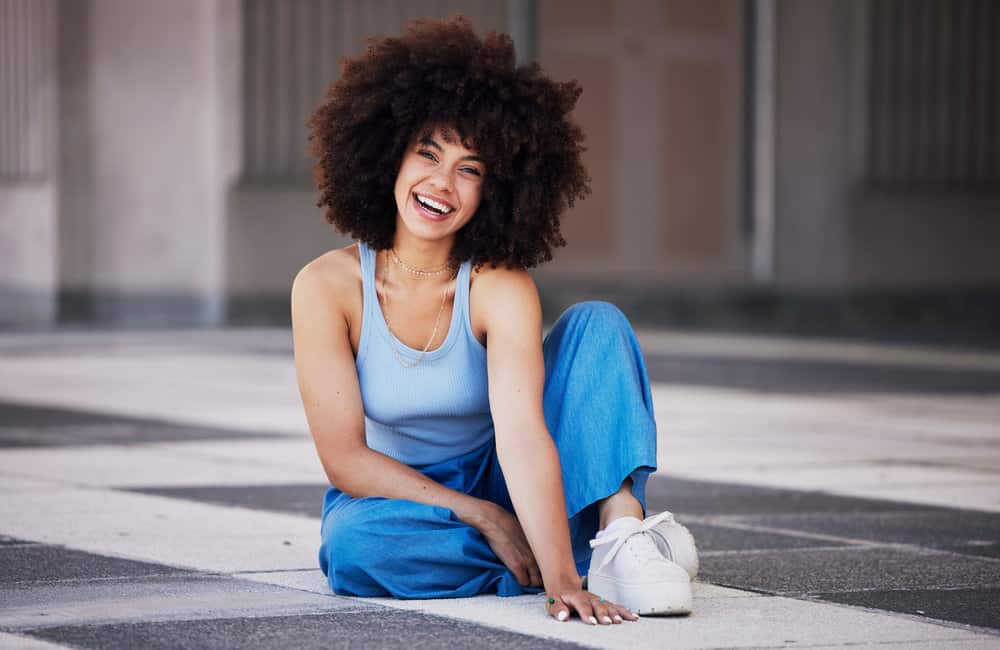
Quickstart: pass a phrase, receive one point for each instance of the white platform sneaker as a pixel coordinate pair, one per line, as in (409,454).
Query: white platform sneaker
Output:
(628,568)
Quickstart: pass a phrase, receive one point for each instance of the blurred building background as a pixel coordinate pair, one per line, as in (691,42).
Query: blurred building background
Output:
(809,166)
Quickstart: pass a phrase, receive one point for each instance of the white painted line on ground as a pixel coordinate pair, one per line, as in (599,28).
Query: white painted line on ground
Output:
(174,532)
(143,602)
(249,392)
(146,465)
(984,643)
(293,454)
(19,642)
(722,618)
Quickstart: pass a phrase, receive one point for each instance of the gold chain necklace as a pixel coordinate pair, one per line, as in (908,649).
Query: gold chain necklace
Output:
(392,337)
(414,270)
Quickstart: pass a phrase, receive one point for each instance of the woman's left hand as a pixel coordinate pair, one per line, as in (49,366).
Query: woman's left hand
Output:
(506,538)
(562,602)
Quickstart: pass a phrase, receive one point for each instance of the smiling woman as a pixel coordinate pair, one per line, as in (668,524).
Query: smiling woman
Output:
(484,460)
(440,74)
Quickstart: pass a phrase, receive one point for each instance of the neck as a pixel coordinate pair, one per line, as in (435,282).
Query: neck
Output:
(421,253)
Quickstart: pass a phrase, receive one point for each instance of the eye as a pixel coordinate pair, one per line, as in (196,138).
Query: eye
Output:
(471,170)
(427,154)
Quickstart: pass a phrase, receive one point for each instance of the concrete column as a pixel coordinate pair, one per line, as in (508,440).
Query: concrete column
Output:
(813,143)
(148,154)
(27,192)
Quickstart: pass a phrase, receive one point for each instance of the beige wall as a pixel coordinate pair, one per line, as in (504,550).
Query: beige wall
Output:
(662,109)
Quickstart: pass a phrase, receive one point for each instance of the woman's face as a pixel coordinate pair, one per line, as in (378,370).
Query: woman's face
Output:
(439,185)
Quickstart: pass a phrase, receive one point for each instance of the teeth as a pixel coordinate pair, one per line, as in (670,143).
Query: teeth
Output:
(440,207)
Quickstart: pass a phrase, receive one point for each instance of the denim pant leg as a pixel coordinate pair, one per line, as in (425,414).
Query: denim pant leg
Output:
(373,546)
(599,410)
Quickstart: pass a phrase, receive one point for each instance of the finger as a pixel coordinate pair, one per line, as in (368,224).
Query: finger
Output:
(534,574)
(618,613)
(521,574)
(625,613)
(582,606)
(603,613)
(557,609)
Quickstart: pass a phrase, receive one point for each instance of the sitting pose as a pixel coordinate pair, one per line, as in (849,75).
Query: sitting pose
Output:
(467,455)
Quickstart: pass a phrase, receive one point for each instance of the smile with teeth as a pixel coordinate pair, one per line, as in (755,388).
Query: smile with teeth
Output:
(432,205)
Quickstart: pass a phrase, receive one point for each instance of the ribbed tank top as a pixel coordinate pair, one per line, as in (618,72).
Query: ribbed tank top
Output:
(436,410)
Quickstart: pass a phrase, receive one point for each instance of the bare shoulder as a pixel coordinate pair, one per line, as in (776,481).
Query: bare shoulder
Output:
(501,293)
(502,279)
(331,278)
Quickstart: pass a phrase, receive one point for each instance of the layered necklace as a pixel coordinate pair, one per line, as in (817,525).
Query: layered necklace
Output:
(423,273)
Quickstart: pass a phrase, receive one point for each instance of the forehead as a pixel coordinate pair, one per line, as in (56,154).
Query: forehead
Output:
(444,134)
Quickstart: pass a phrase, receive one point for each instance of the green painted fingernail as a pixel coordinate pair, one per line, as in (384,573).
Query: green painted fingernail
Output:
(552,600)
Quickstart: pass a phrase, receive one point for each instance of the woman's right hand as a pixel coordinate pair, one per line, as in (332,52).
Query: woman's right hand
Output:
(505,536)
(568,596)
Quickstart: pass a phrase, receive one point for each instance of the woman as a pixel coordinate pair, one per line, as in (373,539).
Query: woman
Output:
(466,455)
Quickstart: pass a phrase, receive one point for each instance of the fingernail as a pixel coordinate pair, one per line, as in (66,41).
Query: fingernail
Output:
(563,615)
(606,619)
(593,621)
(618,618)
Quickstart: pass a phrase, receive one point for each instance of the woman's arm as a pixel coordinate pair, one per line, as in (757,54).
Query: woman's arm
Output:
(328,384)
(527,454)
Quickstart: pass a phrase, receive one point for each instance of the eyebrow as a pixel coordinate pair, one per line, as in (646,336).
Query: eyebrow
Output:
(431,142)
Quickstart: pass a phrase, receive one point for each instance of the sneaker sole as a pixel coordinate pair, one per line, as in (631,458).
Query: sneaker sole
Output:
(663,599)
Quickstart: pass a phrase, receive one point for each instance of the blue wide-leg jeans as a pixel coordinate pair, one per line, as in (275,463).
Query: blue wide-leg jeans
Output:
(599,411)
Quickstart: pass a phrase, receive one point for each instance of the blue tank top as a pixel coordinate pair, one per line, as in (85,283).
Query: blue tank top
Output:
(436,410)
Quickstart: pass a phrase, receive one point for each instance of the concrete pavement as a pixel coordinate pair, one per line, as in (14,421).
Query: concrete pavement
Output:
(160,489)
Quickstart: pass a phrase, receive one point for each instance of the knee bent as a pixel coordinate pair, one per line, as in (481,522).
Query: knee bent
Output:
(597,313)
(343,546)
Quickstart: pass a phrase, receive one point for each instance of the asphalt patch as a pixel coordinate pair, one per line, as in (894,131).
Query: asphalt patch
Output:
(716,538)
(360,629)
(23,425)
(970,606)
(960,531)
(708,498)
(300,499)
(806,572)
(41,562)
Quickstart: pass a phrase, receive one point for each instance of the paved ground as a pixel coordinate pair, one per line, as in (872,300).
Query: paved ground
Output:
(161,490)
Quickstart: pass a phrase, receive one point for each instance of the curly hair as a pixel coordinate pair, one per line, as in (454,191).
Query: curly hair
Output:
(440,73)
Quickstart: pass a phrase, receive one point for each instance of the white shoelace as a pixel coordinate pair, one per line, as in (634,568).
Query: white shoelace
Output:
(646,551)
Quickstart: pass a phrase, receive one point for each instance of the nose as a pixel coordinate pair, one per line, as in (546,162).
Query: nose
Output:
(442,182)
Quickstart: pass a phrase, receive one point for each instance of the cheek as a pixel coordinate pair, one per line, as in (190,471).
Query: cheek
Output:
(402,187)
(472,195)
(408,169)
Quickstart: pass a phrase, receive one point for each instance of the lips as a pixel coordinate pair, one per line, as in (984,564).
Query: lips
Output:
(435,203)
(427,214)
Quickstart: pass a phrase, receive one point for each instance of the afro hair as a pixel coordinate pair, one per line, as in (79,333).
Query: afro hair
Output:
(440,73)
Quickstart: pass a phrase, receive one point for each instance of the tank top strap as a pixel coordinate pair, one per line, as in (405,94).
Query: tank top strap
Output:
(462,290)
(369,295)
(367,273)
